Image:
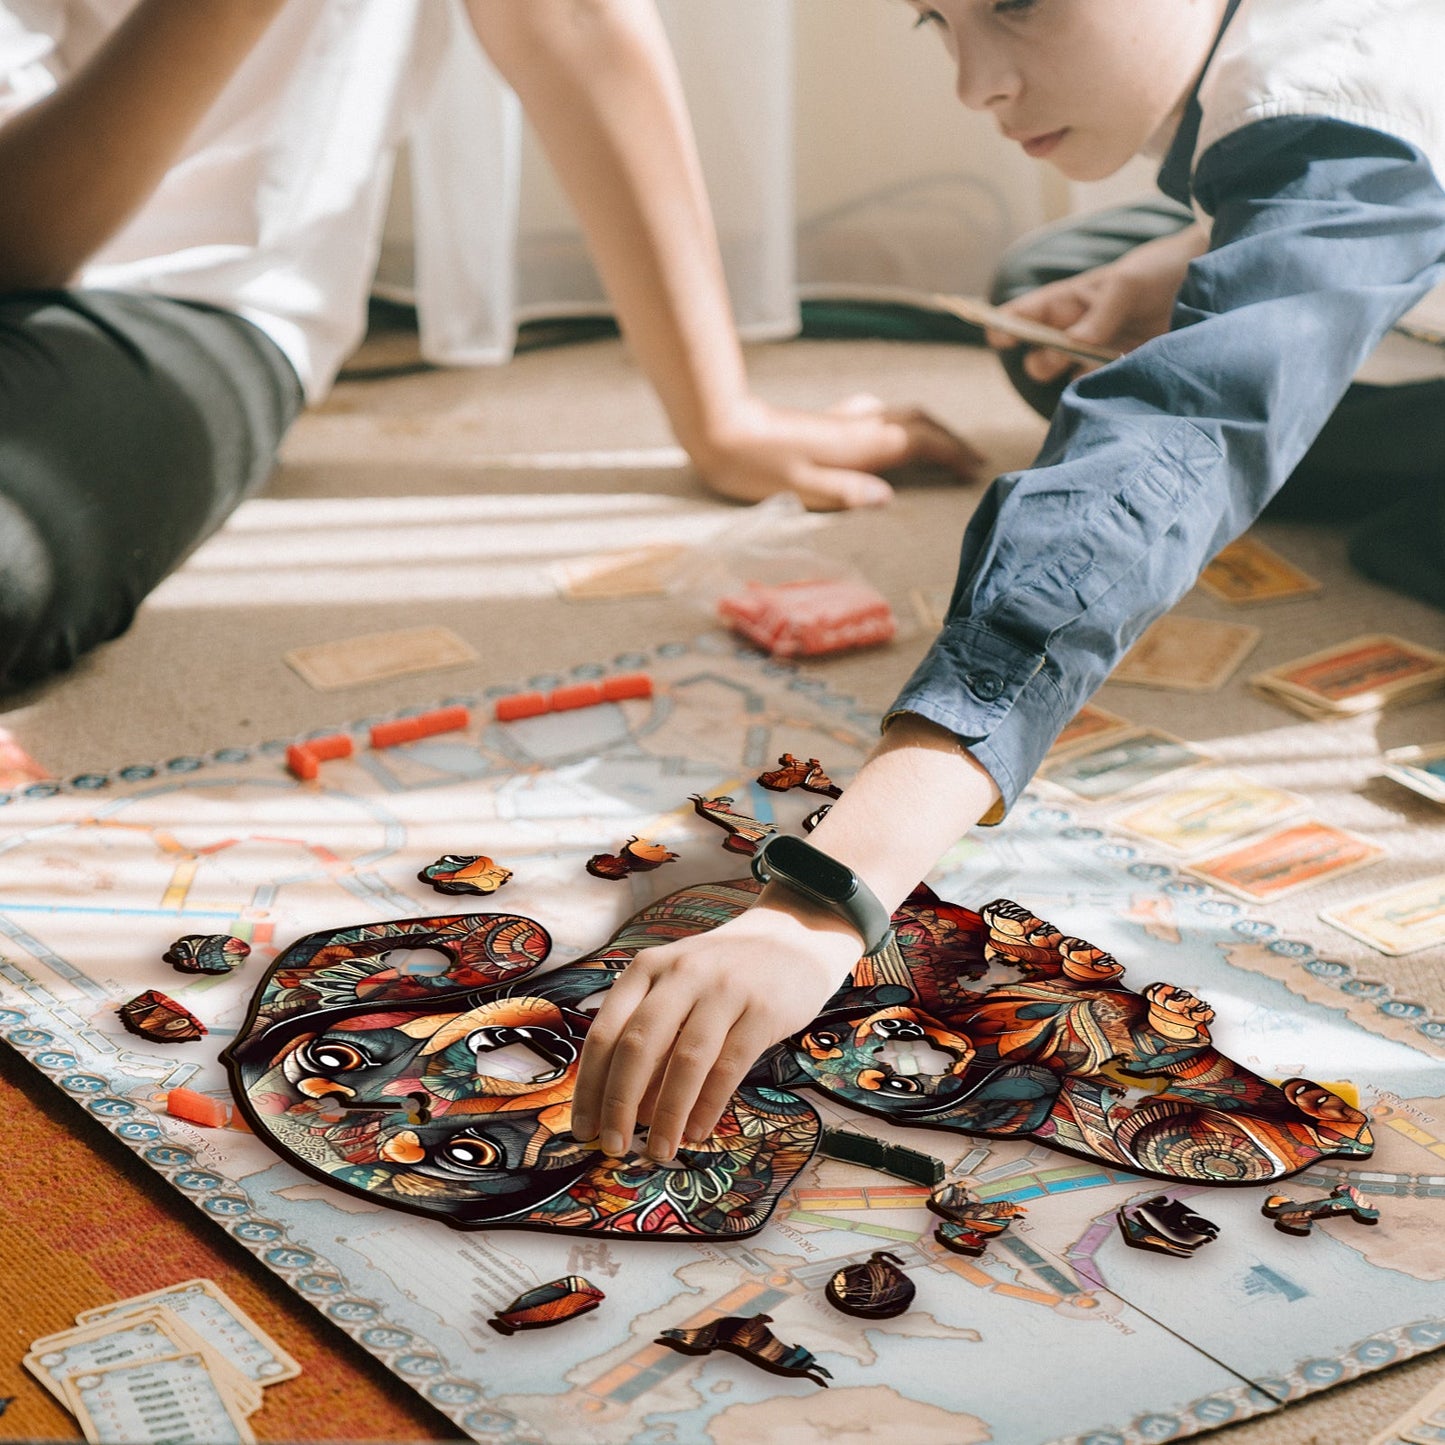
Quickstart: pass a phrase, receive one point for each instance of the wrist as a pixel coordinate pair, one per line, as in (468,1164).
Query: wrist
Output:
(789,916)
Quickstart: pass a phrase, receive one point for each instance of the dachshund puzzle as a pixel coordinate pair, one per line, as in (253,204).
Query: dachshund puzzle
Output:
(1115,1033)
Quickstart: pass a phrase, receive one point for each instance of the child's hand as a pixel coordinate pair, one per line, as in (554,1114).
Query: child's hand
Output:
(830,459)
(1121,305)
(685,1021)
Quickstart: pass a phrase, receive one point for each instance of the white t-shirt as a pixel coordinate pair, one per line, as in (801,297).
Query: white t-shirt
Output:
(274,209)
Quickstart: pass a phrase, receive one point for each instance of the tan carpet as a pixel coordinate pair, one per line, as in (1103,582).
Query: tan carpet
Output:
(445,497)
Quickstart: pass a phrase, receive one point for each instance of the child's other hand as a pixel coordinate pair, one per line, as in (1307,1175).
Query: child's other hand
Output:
(1121,305)
(830,459)
(685,1021)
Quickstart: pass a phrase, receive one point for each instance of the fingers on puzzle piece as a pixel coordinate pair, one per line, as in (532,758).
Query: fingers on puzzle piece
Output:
(637,856)
(748,1337)
(465,873)
(153,1015)
(1299,1217)
(874,1290)
(206,953)
(1165,1226)
(743,833)
(548,1304)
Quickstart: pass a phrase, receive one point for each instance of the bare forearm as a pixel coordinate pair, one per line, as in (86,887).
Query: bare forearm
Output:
(76,165)
(598,83)
(916,795)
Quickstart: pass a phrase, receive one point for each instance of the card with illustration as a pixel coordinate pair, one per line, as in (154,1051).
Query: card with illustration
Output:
(1421,769)
(351,661)
(1187,654)
(1357,676)
(1090,724)
(1210,813)
(1122,765)
(1247,571)
(1285,861)
(154,1402)
(1399,921)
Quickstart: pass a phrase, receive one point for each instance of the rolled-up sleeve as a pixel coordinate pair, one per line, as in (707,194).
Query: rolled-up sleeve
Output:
(1324,234)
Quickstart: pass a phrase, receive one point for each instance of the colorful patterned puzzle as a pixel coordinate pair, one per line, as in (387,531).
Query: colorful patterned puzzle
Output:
(102,874)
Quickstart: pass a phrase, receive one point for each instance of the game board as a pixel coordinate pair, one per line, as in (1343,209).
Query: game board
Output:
(1058,1333)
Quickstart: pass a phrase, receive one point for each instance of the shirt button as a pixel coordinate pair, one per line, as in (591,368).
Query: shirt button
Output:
(985,685)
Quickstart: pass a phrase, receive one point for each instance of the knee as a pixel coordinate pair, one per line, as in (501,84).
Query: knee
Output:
(27,590)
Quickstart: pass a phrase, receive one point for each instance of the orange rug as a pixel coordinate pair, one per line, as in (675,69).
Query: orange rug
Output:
(83,1223)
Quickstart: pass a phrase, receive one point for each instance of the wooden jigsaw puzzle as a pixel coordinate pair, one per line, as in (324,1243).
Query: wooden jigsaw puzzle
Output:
(103,873)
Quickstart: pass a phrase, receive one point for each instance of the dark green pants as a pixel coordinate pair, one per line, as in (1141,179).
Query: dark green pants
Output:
(130,428)
(1379,463)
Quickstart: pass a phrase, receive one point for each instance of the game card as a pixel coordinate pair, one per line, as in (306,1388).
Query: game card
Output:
(1090,724)
(219,1321)
(1248,571)
(1208,814)
(1285,861)
(129,1339)
(1421,769)
(977,312)
(168,1401)
(1120,765)
(1187,654)
(355,660)
(1357,676)
(641,572)
(1400,921)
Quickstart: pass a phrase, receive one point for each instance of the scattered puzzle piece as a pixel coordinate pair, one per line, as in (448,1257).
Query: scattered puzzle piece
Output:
(744,833)
(748,1337)
(791,773)
(816,817)
(465,873)
(207,953)
(1165,1226)
(153,1015)
(1300,1216)
(875,1290)
(548,1304)
(637,856)
(970,1223)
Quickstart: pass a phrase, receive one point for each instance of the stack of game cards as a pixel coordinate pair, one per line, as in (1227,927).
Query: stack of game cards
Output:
(1422,1424)
(181,1363)
(1421,769)
(1354,677)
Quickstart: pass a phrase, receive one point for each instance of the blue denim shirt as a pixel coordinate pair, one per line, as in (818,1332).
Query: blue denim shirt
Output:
(1324,234)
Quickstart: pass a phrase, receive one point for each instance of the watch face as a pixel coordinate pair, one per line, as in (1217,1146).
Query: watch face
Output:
(812,869)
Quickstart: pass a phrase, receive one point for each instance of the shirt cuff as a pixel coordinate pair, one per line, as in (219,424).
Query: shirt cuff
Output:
(995,696)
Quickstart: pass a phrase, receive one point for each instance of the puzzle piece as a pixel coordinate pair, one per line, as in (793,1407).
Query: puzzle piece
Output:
(465,873)
(548,1304)
(153,1015)
(637,856)
(748,1337)
(743,833)
(207,953)
(1165,1226)
(792,773)
(1300,1216)
(970,1223)
(874,1290)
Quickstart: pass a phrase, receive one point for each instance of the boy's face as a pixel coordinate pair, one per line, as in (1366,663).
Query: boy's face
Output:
(1083,84)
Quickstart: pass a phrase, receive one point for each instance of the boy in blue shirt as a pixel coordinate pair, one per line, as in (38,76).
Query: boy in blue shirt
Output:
(1309,138)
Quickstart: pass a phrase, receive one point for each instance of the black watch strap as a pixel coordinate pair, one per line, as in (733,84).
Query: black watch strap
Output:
(798,865)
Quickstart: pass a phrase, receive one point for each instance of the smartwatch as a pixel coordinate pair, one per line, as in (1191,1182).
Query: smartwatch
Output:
(811,872)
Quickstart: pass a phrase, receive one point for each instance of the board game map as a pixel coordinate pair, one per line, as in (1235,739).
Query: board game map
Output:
(1059,1332)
